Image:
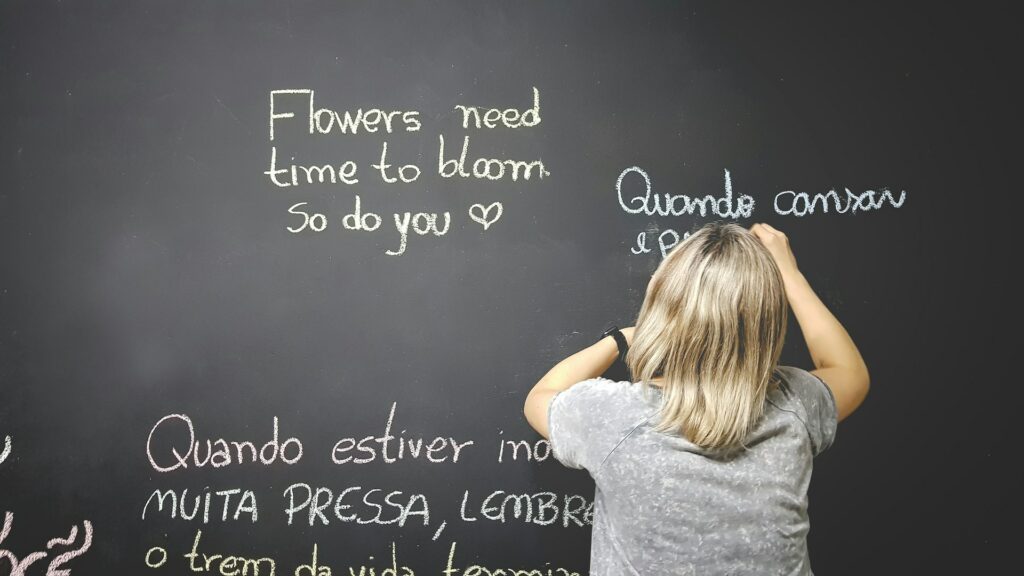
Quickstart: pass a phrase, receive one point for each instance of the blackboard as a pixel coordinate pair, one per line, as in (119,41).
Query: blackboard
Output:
(168,265)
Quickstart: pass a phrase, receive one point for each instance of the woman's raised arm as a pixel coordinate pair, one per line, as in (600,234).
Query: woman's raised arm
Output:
(836,358)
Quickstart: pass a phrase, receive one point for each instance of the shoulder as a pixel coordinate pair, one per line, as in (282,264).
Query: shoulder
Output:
(621,398)
(799,386)
(810,400)
(595,389)
(589,418)
(591,397)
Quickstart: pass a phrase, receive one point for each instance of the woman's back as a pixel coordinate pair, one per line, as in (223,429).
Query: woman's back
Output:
(663,506)
(711,329)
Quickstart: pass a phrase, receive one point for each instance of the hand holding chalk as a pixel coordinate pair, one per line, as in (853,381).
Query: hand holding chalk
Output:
(778,245)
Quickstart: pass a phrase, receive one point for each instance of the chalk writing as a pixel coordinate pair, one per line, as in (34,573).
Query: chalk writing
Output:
(357,220)
(316,221)
(344,174)
(177,506)
(375,507)
(297,107)
(156,557)
(489,168)
(799,204)
(422,223)
(541,508)
(226,565)
(647,202)
(317,567)
(407,173)
(482,214)
(509,118)
(218,453)
(667,239)
(325,121)
(537,451)
(7,449)
(58,563)
(478,570)
(173,444)
(787,203)
(395,448)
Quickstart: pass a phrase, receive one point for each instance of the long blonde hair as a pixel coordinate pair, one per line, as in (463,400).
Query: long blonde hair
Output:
(712,325)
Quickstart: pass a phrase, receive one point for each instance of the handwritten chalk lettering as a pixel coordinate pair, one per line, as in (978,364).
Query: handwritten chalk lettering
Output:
(646,202)
(375,507)
(641,244)
(156,557)
(540,508)
(7,449)
(316,221)
(478,570)
(437,533)
(509,118)
(313,568)
(407,173)
(537,451)
(169,503)
(345,173)
(489,168)
(790,203)
(316,568)
(667,239)
(357,220)
(58,564)
(325,121)
(436,452)
(422,223)
(227,565)
(56,567)
(18,567)
(218,453)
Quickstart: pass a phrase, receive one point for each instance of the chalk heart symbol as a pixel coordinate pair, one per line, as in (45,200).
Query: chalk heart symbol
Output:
(482,214)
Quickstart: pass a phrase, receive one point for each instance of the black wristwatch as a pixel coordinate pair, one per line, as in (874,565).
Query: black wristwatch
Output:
(620,340)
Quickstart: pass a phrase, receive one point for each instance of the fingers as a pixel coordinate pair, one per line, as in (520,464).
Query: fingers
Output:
(774,231)
(758,231)
(764,231)
(778,246)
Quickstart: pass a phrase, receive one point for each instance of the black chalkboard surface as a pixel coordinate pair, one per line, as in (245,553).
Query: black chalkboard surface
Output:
(277,276)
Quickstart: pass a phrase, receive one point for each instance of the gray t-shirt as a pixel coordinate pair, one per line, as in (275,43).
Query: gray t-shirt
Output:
(661,506)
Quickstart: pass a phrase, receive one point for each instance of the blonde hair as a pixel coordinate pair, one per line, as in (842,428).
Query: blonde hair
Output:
(712,324)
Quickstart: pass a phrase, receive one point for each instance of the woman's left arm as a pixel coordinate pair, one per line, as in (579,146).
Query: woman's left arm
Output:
(588,363)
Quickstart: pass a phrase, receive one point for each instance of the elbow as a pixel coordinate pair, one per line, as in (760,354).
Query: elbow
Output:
(864,378)
(530,411)
(527,403)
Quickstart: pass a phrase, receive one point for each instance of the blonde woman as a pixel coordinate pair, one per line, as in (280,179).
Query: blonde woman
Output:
(702,465)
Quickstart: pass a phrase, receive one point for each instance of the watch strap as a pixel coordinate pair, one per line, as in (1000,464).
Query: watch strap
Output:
(620,341)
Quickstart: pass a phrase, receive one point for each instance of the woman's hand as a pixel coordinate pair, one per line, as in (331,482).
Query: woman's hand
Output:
(778,246)
(628,333)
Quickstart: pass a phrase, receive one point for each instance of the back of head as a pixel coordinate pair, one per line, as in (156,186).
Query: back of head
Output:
(712,326)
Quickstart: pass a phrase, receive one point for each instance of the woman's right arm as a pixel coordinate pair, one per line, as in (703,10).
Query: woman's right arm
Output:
(836,358)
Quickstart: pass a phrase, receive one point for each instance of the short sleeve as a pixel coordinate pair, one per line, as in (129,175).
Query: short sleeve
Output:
(575,423)
(818,404)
